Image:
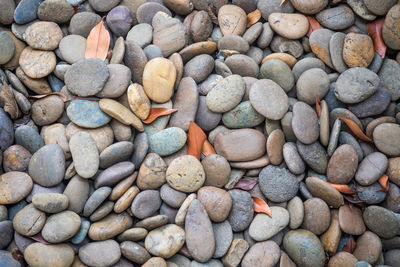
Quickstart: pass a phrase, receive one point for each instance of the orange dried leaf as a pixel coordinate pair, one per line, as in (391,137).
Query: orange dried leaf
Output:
(207,148)
(253,17)
(374,30)
(343,188)
(282,2)
(314,25)
(158,112)
(355,129)
(384,182)
(98,42)
(261,206)
(62,96)
(350,245)
(195,139)
(317,106)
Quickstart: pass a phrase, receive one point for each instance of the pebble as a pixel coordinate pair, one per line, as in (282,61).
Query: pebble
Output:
(236,252)
(291,26)
(321,189)
(79,108)
(102,253)
(309,7)
(50,202)
(393,170)
(264,227)
(55,10)
(374,105)
(26,11)
(336,50)
(38,254)
(279,72)
(381,221)
(242,211)
(217,202)
(386,138)
(368,248)
(7,47)
(232,19)
(223,238)
(305,123)
(61,226)
(275,143)
(110,226)
(316,207)
(85,154)
(295,208)
(351,220)
(36,63)
(165,241)
(205,118)
(72,48)
(115,153)
(146,203)
(314,155)
(358,50)
(82,23)
(379,8)
(346,157)
(112,175)
(371,168)
(371,194)
(308,87)
(95,200)
(242,116)
(390,27)
(265,253)
(268,7)
(388,74)
(319,42)
(29,221)
(336,18)
(134,252)
(233,42)
(119,19)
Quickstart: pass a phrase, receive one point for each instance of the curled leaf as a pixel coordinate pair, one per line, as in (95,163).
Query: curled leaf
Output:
(343,188)
(195,139)
(213,18)
(350,245)
(261,206)
(352,200)
(374,30)
(98,42)
(317,106)
(246,184)
(39,238)
(62,96)
(282,2)
(8,99)
(207,148)
(355,129)
(158,112)
(314,25)
(384,182)
(253,17)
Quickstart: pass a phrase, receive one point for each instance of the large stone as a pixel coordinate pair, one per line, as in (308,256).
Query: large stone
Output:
(38,254)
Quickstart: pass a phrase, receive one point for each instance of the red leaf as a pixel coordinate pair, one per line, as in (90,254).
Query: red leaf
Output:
(207,148)
(253,17)
(343,188)
(98,42)
(314,25)
(352,200)
(157,112)
(355,129)
(39,238)
(246,184)
(196,138)
(350,245)
(317,106)
(384,182)
(261,206)
(374,30)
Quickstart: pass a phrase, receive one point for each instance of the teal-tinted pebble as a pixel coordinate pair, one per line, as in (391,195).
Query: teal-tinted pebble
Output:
(242,116)
(167,141)
(87,114)
(83,230)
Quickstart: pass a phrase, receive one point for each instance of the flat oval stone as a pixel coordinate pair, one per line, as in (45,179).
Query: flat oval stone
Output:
(110,226)
(336,18)
(165,241)
(77,192)
(36,63)
(14,186)
(55,10)
(43,35)
(389,75)
(304,248)
(7,47)
(386,138)
(121,113)
(242,65)
(390,27)
(351,220)
(167,141)
(374,105)
(352,86)
(86,77)
(267,7)
(95,200)
(138,101)
(72,48)
(242,116)
(118,81)
(309,7)
(295,208)
(305,123)
(308,85)
(226,94)
(61,226)
(82,23)
(115,153)
(87,114)
(240,145)
(29,221)
(233,42)
(47,110)
(134,252)
(39,254)
(267,253)
(279,72)
(343,258)
(114,174)
(199,67)
(292,158)
(314,155)
(379,8)
(223,238)
(343,165)
(209,196)
(141,33)
(188,167)
(199,231)
(319,42)
(316,216)
(102,253)
(50,202)
(85,154)
(47,165)
(158,79)
(135,59)
(371,194)
(269,99)
(26,11)
(381,221)
(232,19)
(146,203)
(336,50)
(358,50)
(264,227)
(7,131)
(369,246)
(321,189)
(205,118)
(242,211)
(371,168)
(291,26)
(278,190)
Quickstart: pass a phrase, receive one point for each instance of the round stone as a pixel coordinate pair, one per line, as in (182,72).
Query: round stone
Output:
(14,186)
(217,170)
(199,67)
(358,50)
(232,20)
(115,153)
(391,27)
(379,8)
(342,165)
(47,165)
(319,42)
(134,252)
(39,254)
(47,110)
(36,63)
(185,174)
(262,254)
(117,83)
(29,221)
(171,196)
(355,85)
(268,7)
(292,158)
(61,226)
(119,19)
(152,172)
(387,138)
(159,77)
(242,65)
(264,227)
(278,184)
(43,35)
(368,248)
(165,241)
(216,201)
(343,258)
(82,23)
(142,34)
(72,48)
(110,226)
(317,216)
(269,99)
(311,83)
(305,123)
(291,26)
(279,72)
(87,77)
(314,155)
(16,158)
(103,253)
(7,48)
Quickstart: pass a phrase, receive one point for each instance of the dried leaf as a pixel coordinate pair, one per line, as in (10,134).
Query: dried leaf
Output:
(39,238)
(343,188)
(314,25)
(7,97)
(317,106)
(253,17)
(282,2)
(352,200)
(18,256)
(62,96)
(374,30)
(207,148)
(246,184)
(355,129)
(98,42)
(195,139)
(158,112)
(109,55)
(213,17)
(384,182)
(350,245)
(261,206)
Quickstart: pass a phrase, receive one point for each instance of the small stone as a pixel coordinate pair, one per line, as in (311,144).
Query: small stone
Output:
(217,202)
(95,200)
(316,216)
(26,11)
(358,50)
(165,241)
(319,42)
(114,174)
(279,72)
(79,109)
(391,26)
(14,186)
(309,7)
(61,226)
(85,154)
(146,203)
(58,11)
(386,138)
(110,226)
(351,220)
(314,155)
(119,19)
(381,221)
(72,48)
(295,208)
(321,189)
(82,23)
(371,168)
(336,18)
(77,192)
(7,47)
(50,202)
(235,253)
(223,238)
(389,75)
(308,86)
(29,221)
